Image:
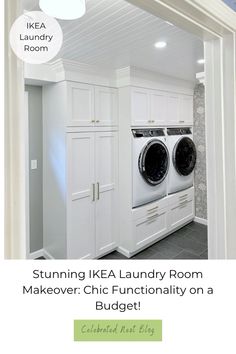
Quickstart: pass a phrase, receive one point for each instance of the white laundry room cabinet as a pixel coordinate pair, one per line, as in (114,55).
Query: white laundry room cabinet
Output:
(146,108)
(89,105)
(179,110)
(80,173)
(158,107)
(150,223)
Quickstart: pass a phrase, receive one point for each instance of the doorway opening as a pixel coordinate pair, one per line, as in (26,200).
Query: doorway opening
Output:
(136,46)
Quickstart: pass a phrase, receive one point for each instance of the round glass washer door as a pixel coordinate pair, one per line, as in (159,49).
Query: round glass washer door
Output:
(184,156)
(154,162)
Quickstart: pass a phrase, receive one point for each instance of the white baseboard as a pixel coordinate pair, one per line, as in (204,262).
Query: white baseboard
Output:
(40,253)
(37,254)
(200,220)
(47,255)
(124,252)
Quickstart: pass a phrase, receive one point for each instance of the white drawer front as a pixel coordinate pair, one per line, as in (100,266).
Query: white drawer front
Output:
(187,194)
(150,228)
(149,209)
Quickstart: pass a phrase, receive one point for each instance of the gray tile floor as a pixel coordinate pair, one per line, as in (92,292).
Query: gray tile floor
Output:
(190,242)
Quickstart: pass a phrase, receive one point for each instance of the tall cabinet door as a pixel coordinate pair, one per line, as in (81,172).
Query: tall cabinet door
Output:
(186,111)
(106,191)
(140,108)
(173,109)
(81,105)
(106,106)
(158,107)
(81,196)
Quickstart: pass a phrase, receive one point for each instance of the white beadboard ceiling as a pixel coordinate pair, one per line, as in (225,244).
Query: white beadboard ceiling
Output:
(115,34)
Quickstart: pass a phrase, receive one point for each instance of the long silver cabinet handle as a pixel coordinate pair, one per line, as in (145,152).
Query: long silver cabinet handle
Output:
(156,207)
(150,219)
(183,202)
(98,186)
(153,216)
(93,192)
(182,205)
(183,196)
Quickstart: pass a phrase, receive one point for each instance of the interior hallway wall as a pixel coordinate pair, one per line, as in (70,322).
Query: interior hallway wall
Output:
(35,176)
(199,139)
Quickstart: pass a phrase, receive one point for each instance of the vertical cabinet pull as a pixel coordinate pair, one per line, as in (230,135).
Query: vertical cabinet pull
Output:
(98,196)
(93,192)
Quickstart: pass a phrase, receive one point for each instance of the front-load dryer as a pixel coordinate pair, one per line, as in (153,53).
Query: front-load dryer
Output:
(150,165)
(183,156)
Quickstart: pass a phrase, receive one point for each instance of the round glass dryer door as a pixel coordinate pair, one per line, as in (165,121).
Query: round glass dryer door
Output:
(154,162)
(184,156)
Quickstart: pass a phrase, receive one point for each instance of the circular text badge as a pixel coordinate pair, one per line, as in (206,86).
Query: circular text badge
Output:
(35,37)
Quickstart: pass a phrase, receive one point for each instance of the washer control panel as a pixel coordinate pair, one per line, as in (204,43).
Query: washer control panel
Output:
(147,133)
(179,131)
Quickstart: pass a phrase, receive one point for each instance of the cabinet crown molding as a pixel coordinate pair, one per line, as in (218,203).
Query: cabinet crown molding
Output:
(69,70)
(133,76)
(201,78)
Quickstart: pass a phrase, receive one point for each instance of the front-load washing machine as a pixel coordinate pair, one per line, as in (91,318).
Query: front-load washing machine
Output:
(183,156)
(150,165)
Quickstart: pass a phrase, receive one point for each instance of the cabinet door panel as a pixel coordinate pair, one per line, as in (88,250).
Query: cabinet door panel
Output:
(80,237)
(106,106)
(140,107)
(106,193)
(149,229)
(173,109)
(81,103)
(180,214)
(186,110)
(106,222)
(158,107)
(81,207)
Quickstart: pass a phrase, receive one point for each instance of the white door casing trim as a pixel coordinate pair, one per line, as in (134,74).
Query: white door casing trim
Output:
(27,203)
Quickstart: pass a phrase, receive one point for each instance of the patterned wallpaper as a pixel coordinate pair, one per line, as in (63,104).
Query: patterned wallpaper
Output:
(199,139)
